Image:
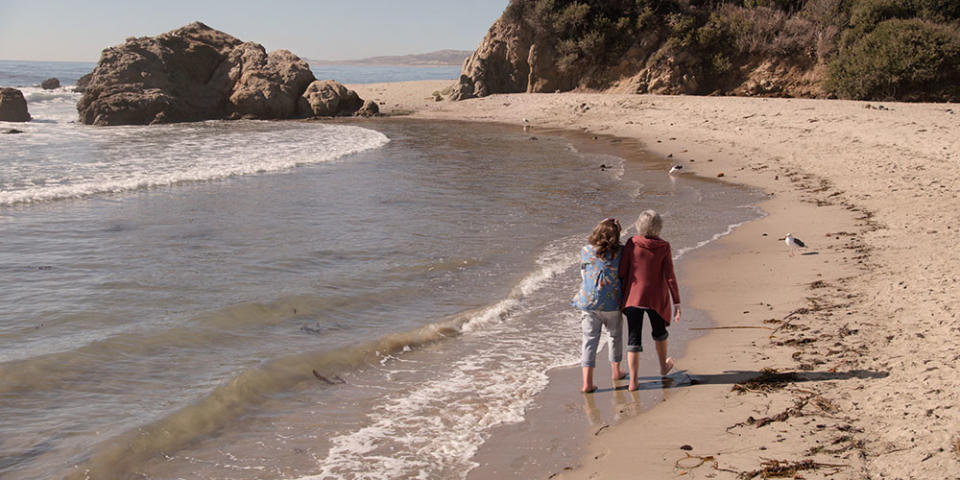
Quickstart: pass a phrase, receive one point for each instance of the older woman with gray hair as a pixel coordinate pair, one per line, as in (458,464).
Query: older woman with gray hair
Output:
(646,273)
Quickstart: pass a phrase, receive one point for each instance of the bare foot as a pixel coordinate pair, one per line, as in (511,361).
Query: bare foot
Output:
(590,389)
(619,376)
(633,387)
(666,367)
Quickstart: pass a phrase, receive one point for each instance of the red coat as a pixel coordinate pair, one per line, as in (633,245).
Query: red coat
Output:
(646,272)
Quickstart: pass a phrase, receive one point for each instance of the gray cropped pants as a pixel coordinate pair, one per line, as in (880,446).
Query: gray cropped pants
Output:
(591,321)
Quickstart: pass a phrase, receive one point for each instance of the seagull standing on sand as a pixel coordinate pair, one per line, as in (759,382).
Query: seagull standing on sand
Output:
(794,243)
(675,169)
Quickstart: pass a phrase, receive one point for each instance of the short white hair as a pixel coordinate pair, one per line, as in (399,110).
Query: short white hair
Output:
(649,223)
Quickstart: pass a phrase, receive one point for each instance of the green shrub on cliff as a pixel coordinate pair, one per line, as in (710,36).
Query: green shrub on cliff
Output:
(909,59)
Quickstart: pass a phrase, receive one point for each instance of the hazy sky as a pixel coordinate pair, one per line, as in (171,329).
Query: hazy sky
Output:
(318,29)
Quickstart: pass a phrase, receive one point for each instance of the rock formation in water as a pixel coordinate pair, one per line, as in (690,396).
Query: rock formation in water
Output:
(196,73)
(82,83)
(860,49)
(50,83)
(13,107)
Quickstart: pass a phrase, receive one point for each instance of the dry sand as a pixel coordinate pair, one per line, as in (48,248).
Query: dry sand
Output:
(864,323)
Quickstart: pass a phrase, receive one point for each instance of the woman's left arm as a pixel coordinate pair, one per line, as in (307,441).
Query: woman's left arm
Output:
(671,278)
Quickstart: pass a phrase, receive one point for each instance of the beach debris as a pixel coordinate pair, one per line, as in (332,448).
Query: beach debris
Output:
(565,469)
(336,379)
(675,169)
(785,469)
(604,166)
(12,131)
(686,447)
(694,461)
(729,327)
(720,175)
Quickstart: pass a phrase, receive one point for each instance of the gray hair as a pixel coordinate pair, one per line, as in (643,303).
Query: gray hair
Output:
(649,223)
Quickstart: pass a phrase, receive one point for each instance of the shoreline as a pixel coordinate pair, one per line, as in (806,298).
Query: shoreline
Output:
(861,395)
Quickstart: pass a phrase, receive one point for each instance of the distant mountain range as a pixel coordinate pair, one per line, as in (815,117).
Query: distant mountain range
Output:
(440,57)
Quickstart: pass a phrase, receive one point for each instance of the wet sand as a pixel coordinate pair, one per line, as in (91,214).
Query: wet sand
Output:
(858,329)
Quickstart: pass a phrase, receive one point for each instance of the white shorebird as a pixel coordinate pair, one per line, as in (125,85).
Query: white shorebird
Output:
(675,169)
(794,243)
(526,124)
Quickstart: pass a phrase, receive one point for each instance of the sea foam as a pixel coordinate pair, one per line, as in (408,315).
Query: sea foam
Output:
(54,160)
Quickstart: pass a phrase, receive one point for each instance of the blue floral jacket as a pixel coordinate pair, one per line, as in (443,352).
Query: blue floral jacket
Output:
(600,289)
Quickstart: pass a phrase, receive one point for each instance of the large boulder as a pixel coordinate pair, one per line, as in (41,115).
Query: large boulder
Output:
(50,84)
(198,73)
(162,79)
(369,109)
(327,98)
(266,86)
(13,107)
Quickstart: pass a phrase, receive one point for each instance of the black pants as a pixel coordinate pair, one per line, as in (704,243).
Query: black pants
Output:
(658,327)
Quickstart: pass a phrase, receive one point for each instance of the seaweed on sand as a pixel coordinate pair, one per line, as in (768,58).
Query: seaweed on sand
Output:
(768,380)
(784,468)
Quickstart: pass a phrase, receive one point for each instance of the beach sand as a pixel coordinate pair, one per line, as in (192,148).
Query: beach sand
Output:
(861,326)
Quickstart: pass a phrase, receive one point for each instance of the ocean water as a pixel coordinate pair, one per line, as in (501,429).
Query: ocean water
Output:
(283,300)
(29,74)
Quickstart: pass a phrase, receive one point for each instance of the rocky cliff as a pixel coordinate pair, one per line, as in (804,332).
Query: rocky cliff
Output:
(864,49)
(195,73)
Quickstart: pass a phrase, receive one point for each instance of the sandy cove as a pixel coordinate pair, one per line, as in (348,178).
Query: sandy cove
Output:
(862,328)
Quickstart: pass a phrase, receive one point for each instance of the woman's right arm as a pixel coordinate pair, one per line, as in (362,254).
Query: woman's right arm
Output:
(626,261)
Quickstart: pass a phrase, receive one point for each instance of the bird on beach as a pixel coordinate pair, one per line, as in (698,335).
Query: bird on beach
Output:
(526,124)
(675,169)
(794,243)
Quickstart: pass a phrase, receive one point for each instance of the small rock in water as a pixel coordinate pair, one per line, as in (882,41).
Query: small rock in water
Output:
(12,131)
(50,84)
